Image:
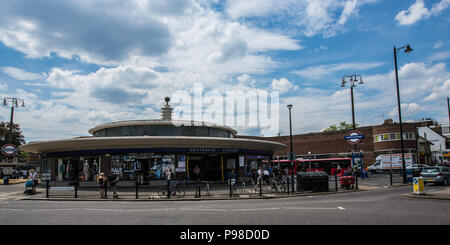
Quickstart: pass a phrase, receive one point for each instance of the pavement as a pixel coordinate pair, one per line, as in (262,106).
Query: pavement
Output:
(16,191)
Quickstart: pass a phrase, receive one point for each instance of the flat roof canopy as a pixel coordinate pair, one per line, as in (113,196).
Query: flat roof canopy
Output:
(145,142)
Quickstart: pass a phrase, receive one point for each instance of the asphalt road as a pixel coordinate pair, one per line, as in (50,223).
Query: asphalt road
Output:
(384,206)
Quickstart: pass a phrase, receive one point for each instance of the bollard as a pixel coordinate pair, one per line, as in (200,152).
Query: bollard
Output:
(137,189)
(47,188)
(390,176)
(287,179)
(231,188)
(106,190)
(335,181)
(260,187)
(200,190)
(356,181)
(76,188)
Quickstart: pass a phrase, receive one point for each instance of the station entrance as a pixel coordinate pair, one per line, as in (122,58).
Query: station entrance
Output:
(210,166)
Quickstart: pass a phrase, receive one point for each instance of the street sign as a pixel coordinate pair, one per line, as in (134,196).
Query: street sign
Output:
(354,137)
(9,150)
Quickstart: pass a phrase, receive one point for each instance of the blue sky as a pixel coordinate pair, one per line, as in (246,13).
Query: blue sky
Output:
(78,64)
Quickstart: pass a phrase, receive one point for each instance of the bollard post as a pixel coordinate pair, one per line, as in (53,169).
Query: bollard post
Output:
(231,188)
(390,176)
(260,187)
(106,190)
(356,181)
(335,181)
(200,190)
(287,179)
(137,189)
(76,188)
(47,188)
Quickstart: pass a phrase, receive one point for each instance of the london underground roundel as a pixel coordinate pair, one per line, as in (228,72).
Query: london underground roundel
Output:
(354,137)
(9,150)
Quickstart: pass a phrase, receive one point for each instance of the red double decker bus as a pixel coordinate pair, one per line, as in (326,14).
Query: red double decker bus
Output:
(328,165)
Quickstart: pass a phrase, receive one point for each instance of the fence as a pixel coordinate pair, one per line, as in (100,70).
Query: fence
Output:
(245,187)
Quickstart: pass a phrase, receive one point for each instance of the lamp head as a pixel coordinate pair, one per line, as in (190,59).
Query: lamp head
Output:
(289,106)
(408,49)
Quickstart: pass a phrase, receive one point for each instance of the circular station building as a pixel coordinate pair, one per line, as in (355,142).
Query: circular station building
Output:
(147,148)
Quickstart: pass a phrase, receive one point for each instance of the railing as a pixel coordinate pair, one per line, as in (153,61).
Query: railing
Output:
(242,188)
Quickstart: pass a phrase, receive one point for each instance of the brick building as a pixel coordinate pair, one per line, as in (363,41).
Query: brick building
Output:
(378,139)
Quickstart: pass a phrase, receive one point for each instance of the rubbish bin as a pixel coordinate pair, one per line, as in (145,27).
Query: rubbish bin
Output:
(304,181)
(312,181)
(6,180)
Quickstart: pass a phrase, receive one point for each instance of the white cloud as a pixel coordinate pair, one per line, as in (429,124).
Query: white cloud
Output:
(317,72)
(283,85)
(418,11)
(326,17)
(408,110)
(20,74)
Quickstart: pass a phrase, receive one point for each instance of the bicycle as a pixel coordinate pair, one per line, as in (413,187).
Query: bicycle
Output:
(175,191)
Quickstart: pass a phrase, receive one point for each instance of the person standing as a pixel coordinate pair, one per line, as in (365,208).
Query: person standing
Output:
(102,184)
(170,176)
(196,176)
(113,179)
(33,177)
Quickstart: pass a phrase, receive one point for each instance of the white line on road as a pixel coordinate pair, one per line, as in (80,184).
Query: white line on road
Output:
(254,209)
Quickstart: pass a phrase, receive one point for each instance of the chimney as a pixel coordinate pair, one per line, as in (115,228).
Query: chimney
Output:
(388,121)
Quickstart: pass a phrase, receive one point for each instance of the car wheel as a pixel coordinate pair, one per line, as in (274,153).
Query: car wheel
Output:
(445,182)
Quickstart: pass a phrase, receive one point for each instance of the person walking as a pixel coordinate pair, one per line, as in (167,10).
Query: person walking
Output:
(33,177)
(196,176)
(170,176)
(113,179)
(102,184)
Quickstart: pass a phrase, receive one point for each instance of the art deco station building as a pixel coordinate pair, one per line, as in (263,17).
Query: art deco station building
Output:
(148,147)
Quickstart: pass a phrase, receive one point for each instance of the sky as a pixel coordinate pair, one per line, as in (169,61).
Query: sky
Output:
(80,63)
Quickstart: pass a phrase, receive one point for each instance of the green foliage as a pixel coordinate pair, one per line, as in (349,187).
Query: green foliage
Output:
(342,126)
(17,137)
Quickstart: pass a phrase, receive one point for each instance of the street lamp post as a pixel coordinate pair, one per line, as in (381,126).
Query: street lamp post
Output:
(407,50)
(14,103)
(291,155)
(353,79)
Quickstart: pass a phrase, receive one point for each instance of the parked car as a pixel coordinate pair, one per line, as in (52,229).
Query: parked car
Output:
(417,167)
(436,175)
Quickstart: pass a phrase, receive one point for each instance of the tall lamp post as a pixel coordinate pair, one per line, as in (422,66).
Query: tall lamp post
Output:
(14,103)
(407,50)
(353,79)
(291,154)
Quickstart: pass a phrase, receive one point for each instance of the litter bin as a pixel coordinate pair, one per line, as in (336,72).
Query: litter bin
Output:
(304,181)
(6,180)
(312,181)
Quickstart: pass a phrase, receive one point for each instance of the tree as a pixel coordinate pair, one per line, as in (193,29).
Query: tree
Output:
(17,137)
(342,126)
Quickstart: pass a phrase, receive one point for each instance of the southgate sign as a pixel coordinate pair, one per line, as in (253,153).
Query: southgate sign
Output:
(354,137)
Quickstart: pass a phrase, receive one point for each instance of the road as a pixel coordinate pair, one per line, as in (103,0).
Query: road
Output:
(383,206)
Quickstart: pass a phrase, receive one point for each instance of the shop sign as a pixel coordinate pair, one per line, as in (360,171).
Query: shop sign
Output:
(9,150)
(241,161)
(128,158)
(202,150)
(354,137)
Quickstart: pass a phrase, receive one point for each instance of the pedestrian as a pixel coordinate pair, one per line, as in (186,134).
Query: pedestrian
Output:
(266,176)
(102,185)
(113,179)
(196,176)
(196,173)
(33,176)
(170,176)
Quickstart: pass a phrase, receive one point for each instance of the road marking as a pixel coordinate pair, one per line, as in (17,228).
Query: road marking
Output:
(205,209)
(254,209)
(306,208)
(341,208)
